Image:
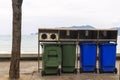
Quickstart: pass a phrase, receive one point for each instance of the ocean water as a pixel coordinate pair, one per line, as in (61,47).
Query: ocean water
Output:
(29,44)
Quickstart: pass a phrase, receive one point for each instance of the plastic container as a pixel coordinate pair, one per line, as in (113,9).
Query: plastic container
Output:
(51,59)
(68,58)
(88,53)
(107,57)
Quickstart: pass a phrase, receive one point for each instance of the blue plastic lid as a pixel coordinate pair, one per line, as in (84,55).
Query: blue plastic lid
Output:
(88,43)
(108,44)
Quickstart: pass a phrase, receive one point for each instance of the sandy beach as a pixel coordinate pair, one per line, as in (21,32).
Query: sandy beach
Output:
(28,71)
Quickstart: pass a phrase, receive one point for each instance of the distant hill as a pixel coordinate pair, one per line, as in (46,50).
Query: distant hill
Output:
(118,28)
(83,27)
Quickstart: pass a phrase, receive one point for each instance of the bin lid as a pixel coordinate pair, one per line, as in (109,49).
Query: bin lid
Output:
(68,43)
(108,44)
(49,43)
(88,43)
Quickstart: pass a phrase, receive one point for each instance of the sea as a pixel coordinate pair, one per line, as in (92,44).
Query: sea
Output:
(29,44)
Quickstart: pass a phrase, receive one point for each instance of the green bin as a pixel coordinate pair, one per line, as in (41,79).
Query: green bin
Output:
(68,58)
(51,59)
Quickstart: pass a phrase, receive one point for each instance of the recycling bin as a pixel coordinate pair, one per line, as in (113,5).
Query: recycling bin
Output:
(107,57)
(51,59)
(88,54)
(68,58)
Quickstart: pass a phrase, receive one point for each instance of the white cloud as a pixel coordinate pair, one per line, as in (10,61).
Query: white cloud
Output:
(48,13)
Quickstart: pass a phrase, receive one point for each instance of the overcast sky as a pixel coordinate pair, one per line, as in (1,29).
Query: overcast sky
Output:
(60,13)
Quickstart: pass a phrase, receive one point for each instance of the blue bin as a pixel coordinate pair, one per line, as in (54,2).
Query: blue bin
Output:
(88,57)
(107,57)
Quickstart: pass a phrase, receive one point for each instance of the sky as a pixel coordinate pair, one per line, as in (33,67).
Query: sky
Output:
(61,13)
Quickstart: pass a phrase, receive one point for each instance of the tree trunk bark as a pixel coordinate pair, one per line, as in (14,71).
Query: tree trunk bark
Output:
(14,72)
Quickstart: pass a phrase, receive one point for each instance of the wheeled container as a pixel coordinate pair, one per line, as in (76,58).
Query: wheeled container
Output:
(107,57)
(51,59)
(68,58)
(88,54)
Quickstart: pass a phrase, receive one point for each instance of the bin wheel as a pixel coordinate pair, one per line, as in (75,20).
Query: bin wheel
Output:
(43,73)
(75,71)
(95,70)
(81,70)
(62,71)
(115,71)
(59,72)
(100,71)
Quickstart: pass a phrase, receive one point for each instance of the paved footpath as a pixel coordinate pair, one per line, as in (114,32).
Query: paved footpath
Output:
(29,72)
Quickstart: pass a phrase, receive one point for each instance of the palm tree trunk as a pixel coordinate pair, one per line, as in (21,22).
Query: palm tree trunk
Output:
(14,72)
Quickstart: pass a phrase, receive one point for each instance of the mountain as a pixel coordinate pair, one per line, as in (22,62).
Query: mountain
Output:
(83,27)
